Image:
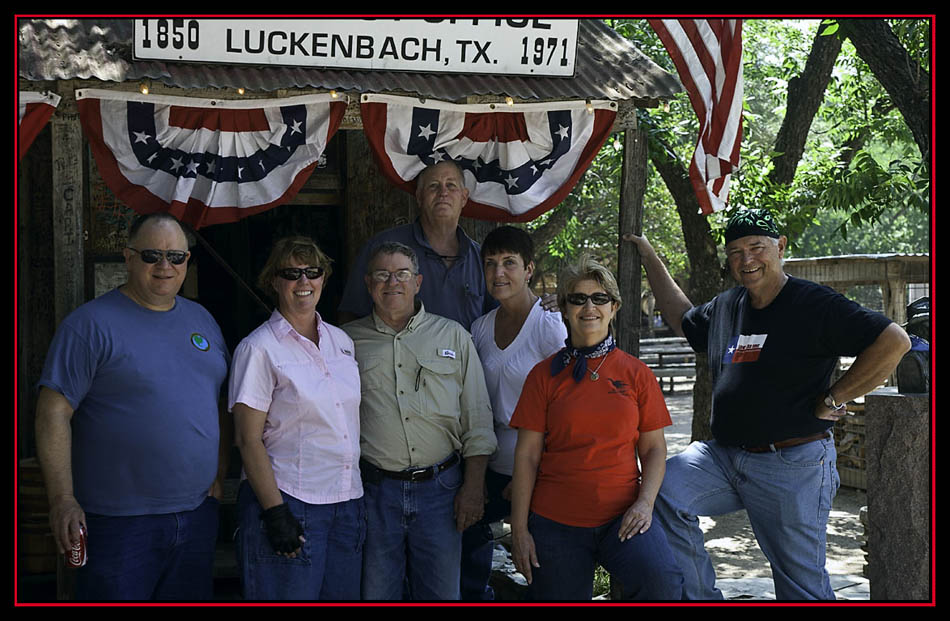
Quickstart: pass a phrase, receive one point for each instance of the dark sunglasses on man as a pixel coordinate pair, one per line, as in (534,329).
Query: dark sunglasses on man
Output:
(175,257)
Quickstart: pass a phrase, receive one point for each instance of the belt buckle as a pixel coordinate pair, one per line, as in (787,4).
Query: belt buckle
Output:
(416,475)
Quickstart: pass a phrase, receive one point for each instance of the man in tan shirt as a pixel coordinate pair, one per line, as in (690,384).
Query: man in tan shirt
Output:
(426,434)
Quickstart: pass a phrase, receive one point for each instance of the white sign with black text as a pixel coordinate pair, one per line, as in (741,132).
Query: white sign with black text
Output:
(520,46)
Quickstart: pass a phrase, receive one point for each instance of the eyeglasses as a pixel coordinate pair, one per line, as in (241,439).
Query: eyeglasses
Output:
(294,273)
(175,257)
(580,299)
(402,275)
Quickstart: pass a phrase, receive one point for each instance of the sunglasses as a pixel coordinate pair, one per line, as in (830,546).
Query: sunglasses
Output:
(294,273)
(580,299)
(175,257)
(402,275)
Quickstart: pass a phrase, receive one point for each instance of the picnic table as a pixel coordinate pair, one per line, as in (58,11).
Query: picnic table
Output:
(669,357)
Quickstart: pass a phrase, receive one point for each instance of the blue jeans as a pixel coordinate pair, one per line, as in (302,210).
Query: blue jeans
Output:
(478,542)
(329,563)
(787,495)
(412,534)
(169,556)
(568,555)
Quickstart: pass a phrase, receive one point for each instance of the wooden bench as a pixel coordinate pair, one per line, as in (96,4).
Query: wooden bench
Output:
(669,357)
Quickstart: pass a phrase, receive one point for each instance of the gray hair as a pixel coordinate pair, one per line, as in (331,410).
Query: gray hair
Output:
(586,268)
(458,168)
(392,247)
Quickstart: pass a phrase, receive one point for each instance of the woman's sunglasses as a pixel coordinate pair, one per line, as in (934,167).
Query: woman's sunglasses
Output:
(580,299)
(294,273)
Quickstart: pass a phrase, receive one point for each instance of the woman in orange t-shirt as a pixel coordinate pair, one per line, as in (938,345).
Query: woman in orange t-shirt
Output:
(578,496)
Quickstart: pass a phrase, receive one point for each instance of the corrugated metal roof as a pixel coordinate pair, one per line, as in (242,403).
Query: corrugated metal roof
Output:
(608,66)
(864,257)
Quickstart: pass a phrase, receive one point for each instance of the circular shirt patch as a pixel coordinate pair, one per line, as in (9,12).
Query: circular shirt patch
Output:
(200,342)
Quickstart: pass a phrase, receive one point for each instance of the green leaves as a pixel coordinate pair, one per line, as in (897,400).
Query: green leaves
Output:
(830,27)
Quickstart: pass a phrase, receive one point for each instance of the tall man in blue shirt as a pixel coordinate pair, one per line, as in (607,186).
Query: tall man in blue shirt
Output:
(128,431)
(449,259)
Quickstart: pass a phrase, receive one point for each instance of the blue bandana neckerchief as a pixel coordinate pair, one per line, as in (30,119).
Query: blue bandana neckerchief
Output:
(563,357)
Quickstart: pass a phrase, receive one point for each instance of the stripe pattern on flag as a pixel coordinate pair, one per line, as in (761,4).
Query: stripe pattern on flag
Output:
(707,54)
(517,162)
(206,161)
(35,111)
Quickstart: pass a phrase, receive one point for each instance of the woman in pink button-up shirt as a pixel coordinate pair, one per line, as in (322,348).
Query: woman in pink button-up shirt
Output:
(295,394)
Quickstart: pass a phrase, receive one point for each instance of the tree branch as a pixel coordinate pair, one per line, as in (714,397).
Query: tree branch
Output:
(805,94)
(905,81)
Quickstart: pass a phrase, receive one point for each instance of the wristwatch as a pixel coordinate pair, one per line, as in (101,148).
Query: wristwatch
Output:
(830,402)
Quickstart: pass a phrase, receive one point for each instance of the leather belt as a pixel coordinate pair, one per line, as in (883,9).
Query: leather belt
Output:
(823,435)
(371,472)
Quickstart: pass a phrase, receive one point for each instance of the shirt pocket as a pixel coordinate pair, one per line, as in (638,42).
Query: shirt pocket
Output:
(440,385)
(371,374)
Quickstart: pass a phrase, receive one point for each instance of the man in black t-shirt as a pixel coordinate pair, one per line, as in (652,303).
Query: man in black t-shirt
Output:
(773,343)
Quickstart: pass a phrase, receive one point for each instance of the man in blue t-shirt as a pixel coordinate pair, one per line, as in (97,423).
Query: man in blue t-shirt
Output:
(773,343)
(128,429)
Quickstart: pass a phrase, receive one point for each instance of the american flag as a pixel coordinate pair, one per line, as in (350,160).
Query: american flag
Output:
(206,161)
(707,54)
(518,161)
(35,110)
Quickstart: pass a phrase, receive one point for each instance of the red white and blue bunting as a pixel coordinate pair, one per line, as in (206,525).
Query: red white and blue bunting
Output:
(35,110)
(206,161)
(518,160)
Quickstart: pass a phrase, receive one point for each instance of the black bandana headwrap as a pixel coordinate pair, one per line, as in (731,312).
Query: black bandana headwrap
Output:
(751,222)
(563,357)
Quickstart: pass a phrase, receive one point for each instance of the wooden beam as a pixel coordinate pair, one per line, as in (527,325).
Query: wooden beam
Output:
(632,190)
(68,188)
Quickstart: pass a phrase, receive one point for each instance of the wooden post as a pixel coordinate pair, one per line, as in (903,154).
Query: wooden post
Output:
(68,188)
(68,258)
(372,203)
(632,189)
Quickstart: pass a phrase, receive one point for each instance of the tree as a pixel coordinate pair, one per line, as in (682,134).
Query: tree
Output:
(904,77)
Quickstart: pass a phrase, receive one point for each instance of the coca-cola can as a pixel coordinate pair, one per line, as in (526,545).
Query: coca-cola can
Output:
(76,555)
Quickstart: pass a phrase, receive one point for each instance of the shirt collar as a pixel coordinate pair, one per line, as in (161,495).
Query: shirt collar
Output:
(420,236)
(414,321)
(282,328)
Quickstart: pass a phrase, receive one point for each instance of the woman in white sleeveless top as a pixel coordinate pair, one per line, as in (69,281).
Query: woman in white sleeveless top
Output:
(511,340)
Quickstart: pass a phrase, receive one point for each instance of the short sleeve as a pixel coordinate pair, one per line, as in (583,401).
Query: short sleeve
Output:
(553,333)
(652,406)
(849,328)
(252,379)
(70,365)
(695,326)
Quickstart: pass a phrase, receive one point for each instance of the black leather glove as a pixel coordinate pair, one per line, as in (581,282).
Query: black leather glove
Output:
(283,529)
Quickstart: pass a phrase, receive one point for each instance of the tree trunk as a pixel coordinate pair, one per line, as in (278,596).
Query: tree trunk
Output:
(705,274)
(905,81)
(805,94)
